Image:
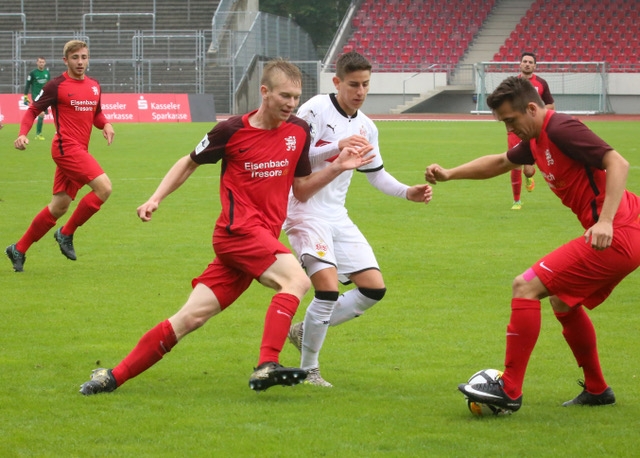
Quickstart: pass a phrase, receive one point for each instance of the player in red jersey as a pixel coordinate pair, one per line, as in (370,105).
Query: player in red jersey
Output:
(264,155)
(589,177)
(75,101)
(527,67)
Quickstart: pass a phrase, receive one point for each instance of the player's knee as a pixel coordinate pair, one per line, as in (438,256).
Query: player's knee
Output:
(375,294)
(298,285)
(331,296)
(524,287)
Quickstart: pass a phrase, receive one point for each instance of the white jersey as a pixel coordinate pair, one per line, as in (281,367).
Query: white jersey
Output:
(330,124)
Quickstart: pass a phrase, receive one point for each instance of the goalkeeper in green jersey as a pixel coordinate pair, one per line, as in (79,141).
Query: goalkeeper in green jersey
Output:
(36,80)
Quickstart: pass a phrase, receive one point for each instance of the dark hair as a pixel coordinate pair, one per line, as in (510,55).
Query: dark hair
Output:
(279,65)
(351,62)
(519,91)
(528,53)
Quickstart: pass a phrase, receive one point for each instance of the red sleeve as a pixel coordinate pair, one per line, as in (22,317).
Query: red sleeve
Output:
(27,120)
(99,119)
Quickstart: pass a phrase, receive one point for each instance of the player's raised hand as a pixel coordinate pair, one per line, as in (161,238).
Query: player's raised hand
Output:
(352,158)
(21,142)
(420,193)
(146,210)
(435,173)
(355,141)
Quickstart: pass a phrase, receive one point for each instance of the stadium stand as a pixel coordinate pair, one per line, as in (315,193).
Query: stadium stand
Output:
(396,32)
(403,32)
(578,30)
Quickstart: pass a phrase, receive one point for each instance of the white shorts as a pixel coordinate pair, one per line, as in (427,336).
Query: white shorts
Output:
(337,244)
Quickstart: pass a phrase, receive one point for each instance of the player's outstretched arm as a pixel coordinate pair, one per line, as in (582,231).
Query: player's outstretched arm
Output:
(479,169)
(174,178)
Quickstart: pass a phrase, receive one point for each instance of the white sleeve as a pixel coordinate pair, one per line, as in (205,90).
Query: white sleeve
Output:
(385,182)
(318,154)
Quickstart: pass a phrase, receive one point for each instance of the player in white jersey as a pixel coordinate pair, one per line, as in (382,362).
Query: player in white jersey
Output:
(329,245)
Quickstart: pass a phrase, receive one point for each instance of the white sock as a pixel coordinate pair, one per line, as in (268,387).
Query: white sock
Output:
(316,324)
(350,305)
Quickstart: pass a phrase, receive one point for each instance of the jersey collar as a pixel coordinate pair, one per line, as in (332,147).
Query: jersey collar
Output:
(334,100)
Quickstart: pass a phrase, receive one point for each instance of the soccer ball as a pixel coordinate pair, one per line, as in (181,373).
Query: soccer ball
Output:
(480,409)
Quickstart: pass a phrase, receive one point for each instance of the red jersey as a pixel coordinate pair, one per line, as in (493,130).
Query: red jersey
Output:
(76,108)
(258,168)
(543,89)
(569,156)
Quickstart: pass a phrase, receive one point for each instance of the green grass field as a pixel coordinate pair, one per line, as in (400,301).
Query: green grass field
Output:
(448,268)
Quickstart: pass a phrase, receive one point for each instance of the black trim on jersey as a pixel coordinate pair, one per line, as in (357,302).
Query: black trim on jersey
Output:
(56,118)
(231,208)
(371,170)
(596,192)
(336,105)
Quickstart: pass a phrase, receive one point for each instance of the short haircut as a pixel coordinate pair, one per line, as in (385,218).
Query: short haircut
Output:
(279,65)
(72,46)
(530,54)
(519,91)
(349,62)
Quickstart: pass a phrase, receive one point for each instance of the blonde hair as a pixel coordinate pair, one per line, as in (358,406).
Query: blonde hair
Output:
(72,46)
(289,70)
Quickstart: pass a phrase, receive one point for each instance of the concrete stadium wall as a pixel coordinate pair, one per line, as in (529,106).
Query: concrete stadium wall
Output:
(390,90)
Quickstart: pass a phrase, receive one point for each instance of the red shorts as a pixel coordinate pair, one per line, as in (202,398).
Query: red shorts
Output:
(578,274)
(74,169)
(239,260)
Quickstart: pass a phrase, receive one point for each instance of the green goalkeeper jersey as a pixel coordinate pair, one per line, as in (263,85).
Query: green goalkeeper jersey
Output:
(36,80)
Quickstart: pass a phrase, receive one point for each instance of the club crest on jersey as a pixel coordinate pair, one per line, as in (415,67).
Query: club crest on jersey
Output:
(95,90)
(321,249)
(363,130)
(290,142)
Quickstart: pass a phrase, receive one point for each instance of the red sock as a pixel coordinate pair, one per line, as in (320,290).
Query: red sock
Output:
(580,334)
(41,224)
(149,350)
(522,335)
(87,207)
(276,326)
(516,183)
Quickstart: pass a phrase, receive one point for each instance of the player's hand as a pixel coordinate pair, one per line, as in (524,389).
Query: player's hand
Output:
(600,235)
(435,173)
(108,132)
(352,158)
(25,100)
(146,210)
(21,142)
(355,141)
(420,193)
